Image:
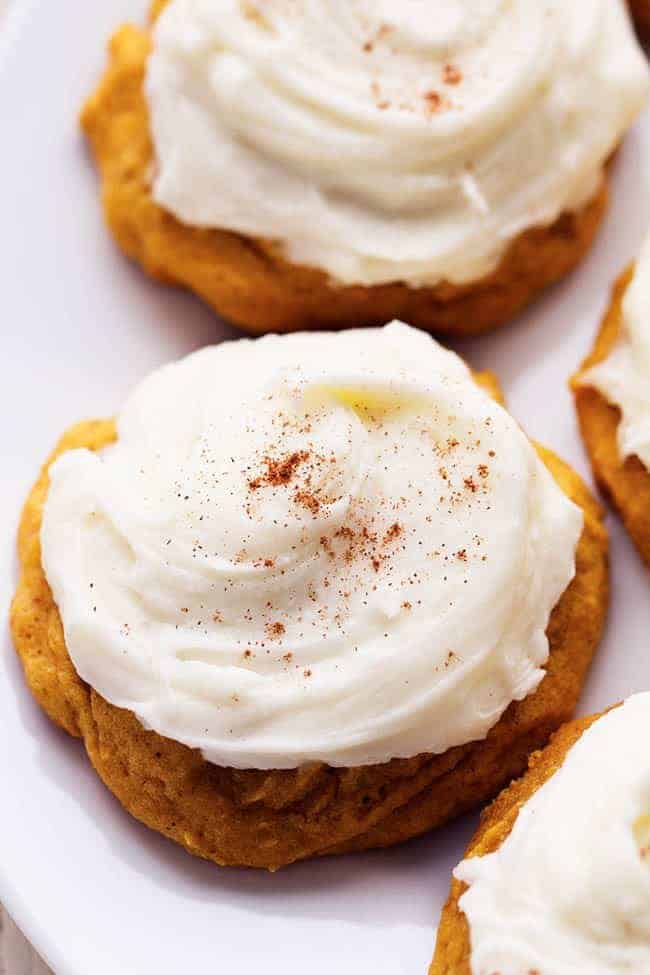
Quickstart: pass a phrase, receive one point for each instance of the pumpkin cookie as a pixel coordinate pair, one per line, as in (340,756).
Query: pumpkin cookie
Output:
(336,169)
(555,879)
(309,594)
(612,394)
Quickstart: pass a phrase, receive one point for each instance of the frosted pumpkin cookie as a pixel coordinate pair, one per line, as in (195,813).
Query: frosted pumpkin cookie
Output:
(557,879)
(612,392)
(308,594)
(312,165)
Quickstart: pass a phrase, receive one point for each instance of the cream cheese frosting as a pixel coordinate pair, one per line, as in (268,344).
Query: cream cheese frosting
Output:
(624,376)
(380,143)
(330,547)
(568,892)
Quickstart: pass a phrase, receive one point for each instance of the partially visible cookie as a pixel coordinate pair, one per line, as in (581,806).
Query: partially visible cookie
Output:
(555,879)
(285,278)
(603,391)
(453,947)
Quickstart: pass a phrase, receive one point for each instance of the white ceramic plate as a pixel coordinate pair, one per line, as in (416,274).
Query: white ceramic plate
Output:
(96,892)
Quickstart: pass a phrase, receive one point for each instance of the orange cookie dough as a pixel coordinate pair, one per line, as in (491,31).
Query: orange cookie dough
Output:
(626,483)
(244,278)
(452,954)
(272,818)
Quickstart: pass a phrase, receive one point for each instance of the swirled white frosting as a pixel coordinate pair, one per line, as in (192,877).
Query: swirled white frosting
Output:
(624,376)
(381,141)
(311,547)
(568,892)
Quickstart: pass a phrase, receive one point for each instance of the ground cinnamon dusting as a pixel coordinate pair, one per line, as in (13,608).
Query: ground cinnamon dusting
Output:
(279,471)
(433,102)
(275,630)
(308,500)
(393,532)
(452,75)
(377,528)
(327,545)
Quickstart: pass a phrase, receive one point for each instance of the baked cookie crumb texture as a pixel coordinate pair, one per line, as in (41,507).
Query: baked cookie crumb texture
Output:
(272,818)
(625,482)
(245,280)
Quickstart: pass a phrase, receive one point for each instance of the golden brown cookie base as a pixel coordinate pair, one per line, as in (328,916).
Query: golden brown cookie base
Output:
(626,483)
(453,951)
(269,819)
(641,12)
(247,282)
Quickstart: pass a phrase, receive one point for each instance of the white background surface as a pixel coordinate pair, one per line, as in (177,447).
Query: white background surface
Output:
(96,892)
